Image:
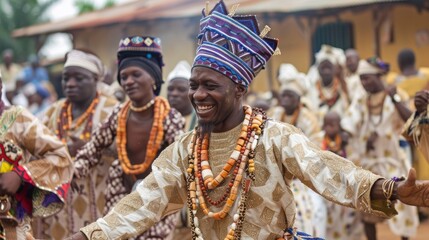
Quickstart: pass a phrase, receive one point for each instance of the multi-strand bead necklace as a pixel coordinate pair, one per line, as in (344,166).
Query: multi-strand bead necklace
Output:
(240,166)
(161,110)
(65,121)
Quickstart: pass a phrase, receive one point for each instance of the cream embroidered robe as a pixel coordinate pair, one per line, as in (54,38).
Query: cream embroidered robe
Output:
(282,154)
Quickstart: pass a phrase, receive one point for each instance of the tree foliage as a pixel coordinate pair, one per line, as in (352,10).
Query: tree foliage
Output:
(16,14)
(85,6)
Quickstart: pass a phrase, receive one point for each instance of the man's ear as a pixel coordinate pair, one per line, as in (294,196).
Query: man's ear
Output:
(240,90)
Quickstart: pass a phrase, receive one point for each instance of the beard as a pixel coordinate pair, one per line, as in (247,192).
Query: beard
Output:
(205,127)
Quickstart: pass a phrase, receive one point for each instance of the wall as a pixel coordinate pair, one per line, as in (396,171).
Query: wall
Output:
(178,39)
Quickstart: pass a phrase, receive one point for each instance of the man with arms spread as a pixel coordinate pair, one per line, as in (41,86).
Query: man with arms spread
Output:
(234,171)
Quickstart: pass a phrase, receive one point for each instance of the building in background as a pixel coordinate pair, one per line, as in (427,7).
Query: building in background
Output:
(372,27)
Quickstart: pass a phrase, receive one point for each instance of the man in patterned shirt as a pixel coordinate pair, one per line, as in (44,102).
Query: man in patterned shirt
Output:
(234,171)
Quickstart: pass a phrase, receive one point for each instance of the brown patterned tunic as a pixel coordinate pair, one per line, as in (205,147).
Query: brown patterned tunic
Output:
(89,157)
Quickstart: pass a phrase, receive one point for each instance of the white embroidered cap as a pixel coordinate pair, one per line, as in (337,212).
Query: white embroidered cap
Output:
(291,79)
(182,70)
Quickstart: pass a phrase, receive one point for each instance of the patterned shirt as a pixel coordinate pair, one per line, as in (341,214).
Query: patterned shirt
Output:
(282,153)
(89,157)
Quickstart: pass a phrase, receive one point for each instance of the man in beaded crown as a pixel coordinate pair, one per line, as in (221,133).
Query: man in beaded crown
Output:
(234,171)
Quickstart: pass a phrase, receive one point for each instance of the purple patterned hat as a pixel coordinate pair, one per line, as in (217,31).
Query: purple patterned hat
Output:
(233,45)
(141,46)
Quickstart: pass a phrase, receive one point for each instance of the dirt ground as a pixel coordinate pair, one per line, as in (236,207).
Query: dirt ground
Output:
(383,233)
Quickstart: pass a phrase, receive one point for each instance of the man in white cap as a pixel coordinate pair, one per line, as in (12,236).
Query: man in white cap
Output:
(374,121)
(330,92)
(177,93)
(293,107)
(73,119)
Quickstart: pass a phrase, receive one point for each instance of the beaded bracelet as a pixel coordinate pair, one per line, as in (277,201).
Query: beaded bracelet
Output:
(388,187)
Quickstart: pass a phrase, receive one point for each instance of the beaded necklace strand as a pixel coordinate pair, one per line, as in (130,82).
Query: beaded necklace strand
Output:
(161,110)
(200,179)
(334,91)
(65,121)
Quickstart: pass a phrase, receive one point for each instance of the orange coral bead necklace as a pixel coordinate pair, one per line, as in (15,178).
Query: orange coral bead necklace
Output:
(65,121)
(161,110)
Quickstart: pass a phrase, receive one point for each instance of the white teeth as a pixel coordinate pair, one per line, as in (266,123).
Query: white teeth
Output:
(202,108)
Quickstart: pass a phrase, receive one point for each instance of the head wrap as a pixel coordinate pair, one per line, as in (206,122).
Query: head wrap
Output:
(90,62)
(182,70)
(291,79)
(373,65)
(233,45)
(143,63)
(332,54)
(142,48)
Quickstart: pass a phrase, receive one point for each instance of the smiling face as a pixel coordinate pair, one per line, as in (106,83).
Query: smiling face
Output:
(79,84)
(216,99)
(137,84)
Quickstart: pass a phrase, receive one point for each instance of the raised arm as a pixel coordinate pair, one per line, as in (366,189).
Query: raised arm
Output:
(161,193)
(90,154)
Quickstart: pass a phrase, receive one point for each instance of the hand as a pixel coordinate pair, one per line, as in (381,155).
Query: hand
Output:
(9,183)
(391,90)
(75,145)
(421,101)
(414,193)
(77,236)
(371,141)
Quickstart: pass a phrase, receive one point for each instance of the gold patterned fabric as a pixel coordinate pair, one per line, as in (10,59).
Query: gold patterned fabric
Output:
(282,154)
(46,167)
(387,158)
(86,201)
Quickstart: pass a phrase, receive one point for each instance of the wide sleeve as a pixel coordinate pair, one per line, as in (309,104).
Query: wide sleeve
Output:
(159,194)
(335,178)
(46,177)
(90,154)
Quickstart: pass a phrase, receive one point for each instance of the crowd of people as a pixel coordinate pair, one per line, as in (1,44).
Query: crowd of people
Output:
(213,160)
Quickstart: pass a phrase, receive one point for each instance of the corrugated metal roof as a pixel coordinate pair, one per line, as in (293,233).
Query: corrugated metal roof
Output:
(155,9)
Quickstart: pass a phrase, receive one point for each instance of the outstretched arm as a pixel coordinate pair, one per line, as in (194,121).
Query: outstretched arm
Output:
(90,154)
(152,200)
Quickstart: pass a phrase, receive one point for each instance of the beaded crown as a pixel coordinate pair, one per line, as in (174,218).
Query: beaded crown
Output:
(233,44)
(141,46)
